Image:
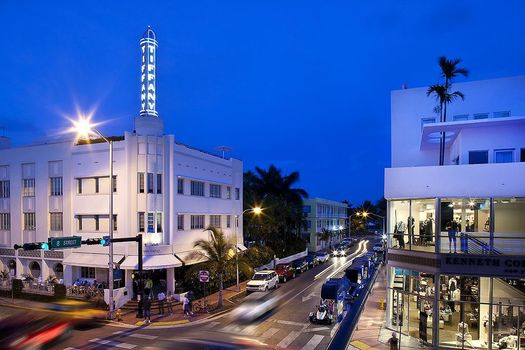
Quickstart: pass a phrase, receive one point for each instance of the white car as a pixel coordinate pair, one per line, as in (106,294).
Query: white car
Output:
(254,306)
(322,257)
(262,281)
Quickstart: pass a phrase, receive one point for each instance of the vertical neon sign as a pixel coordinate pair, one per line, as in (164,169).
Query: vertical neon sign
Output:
(148,47)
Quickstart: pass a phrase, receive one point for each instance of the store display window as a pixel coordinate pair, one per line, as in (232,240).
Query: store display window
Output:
(412,224)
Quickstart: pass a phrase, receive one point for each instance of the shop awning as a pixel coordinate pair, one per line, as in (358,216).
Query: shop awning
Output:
(241,247)
(190,257)
(91,259)
(150,262)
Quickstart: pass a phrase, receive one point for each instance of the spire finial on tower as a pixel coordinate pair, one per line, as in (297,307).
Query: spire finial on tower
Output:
(148,76)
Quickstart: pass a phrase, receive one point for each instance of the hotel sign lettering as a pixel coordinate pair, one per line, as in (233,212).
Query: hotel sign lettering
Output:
(504,266)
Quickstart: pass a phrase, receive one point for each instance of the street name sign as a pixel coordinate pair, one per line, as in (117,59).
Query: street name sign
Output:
(204,276)
(65,242)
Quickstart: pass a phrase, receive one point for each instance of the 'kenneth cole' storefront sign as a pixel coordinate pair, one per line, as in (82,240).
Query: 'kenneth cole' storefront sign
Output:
(483,265)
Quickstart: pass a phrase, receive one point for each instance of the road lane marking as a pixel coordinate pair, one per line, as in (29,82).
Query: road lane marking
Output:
(249,330)
(113,344)
(288,340)
(292,323)
(270,333)
(317,329)
(136,335)
(211,325)
(316,339)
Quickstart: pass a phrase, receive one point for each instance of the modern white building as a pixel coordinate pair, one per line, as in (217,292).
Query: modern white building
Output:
(164,190)
(323,215)
(456,243)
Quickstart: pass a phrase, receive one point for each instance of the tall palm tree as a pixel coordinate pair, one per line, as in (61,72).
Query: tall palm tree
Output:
(440,92)
(219,251)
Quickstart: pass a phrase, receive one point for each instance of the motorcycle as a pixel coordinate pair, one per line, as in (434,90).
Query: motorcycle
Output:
(322,315)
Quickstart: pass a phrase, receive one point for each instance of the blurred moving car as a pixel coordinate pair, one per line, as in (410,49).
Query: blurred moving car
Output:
(339,251)
(300,265)
(311,261)
(322,257)
(262,281)
(31,331)
(78,311)
(255,306)
(285,272)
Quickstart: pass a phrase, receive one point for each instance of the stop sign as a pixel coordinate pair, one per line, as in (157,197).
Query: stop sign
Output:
(204,276)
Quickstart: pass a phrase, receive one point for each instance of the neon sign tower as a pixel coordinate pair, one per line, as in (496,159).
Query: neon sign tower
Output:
(148,76)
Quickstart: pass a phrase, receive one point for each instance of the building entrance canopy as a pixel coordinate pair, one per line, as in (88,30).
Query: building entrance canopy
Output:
(91,260)
(151,262)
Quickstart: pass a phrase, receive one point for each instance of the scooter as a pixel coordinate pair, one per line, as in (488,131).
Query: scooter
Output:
(323,315)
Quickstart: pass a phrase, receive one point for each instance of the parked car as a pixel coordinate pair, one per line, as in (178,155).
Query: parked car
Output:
(311,261)
(378,247)
(322,257)
(300,265)
(285,272)
(262,281)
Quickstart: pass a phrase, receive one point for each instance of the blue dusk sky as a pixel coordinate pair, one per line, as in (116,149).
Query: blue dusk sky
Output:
(304,85)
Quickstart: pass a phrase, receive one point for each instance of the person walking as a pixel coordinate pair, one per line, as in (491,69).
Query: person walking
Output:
(393,342)
(169,303)
(147,287)
(161,297)
(186,306)
(147,310)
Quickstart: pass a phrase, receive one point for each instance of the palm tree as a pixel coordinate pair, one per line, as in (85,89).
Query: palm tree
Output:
(324,235)
(219,251)
(440,92)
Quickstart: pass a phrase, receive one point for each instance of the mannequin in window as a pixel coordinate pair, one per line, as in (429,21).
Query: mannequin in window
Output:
(451,235)
(399,232)
(411,225)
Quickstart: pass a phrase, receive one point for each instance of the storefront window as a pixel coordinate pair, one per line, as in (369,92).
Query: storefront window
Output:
(509,226)
(465,225)
(412,223)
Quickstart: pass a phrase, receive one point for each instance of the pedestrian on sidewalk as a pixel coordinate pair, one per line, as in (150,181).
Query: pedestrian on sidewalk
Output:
(147,310)
(191,297)
(148,286)
(169,303)
(161,297)
(186,306)
(393,342)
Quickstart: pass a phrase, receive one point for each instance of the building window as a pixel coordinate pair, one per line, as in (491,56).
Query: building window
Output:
(307,209)
(4,189)
(115,227)
(97,223)
(504,156)
(55,184)
(481,116)
(141,222)
(159,222)
(151,222)
(5,221)
(237,193)
(79,186)
(461,117)
(97,185)
(114,183)
(215,191)
(228,192)
(228,221)
(215,221)
(503,114)
(180,186)
(159,183)
(478,157)
(180,222)
(79,217)
(29,188)
(197,188)
(197,222)
(425,121)
(87,272)
(29,221)
(140,182)
(56,221)
(150,183)
(522,156)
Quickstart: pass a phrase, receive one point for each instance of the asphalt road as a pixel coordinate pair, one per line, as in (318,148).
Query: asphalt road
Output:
(287,327)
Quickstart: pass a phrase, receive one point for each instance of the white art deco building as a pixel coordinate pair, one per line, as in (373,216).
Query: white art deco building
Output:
(456,253)
(167,191)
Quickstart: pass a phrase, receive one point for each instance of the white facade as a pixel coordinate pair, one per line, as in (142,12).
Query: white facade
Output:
(460,224)
(166,191)
(324,214)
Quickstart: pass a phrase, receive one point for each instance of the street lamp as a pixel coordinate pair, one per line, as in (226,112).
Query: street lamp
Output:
(84,128)
(256,211)
(357,213)
(383,219)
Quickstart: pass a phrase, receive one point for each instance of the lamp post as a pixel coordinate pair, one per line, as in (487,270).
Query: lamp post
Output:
(357,213)
(256,211)
(383,221)
(84,129)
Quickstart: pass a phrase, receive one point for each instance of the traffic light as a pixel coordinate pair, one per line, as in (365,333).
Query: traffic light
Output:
(33,246)
(105,241)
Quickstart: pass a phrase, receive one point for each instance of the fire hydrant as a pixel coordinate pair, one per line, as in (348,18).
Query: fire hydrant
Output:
(381,303)
(119,315)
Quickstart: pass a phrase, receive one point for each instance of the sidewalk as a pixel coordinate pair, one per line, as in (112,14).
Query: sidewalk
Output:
(230,298)
(372,319)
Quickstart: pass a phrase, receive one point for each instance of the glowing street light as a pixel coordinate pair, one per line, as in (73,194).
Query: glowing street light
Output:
(256,211)
(84,128)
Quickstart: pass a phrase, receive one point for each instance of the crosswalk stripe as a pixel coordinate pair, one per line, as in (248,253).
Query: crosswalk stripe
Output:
(292,323)
(113,344)
(317,329)
(250,330)
(230,329)
(136,335)
(211,325)
(269,333)
(316,339)
(288,340)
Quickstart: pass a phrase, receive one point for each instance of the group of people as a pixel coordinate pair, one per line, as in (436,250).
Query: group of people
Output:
(166,300)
